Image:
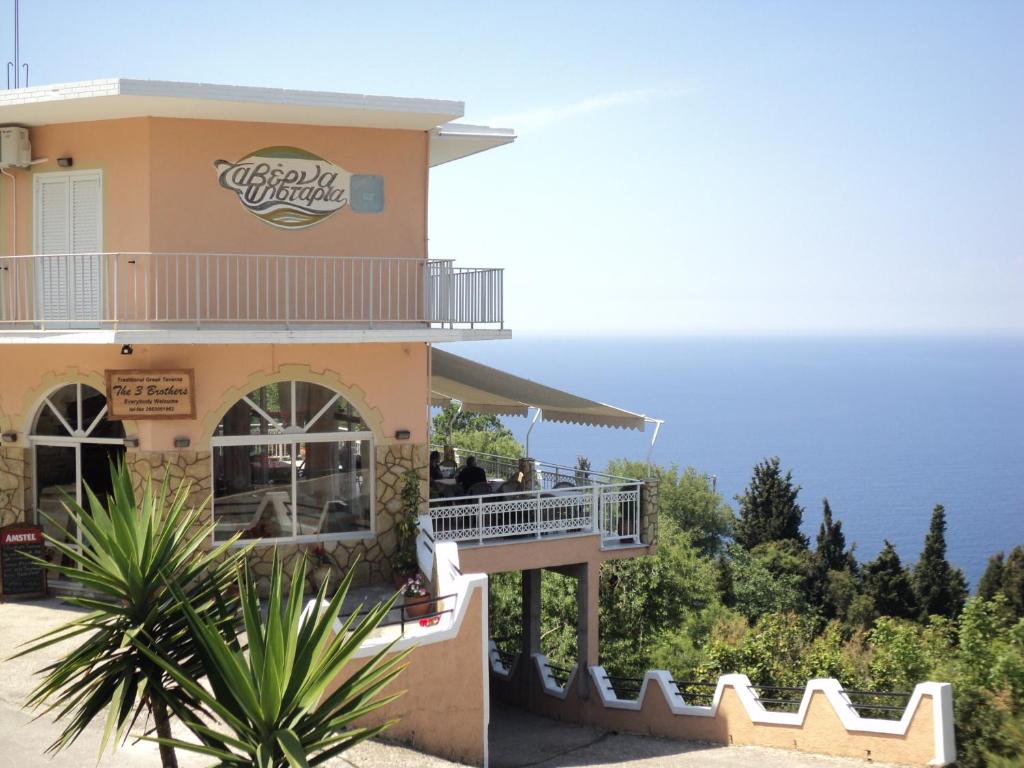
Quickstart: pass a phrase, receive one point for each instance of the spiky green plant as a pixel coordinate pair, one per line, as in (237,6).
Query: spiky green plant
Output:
(142,560)
(269,698)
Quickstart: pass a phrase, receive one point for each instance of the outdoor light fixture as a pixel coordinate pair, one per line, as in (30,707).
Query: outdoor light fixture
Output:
(9,437)
(126,349)
(131,442)
(182,442)
(402,434)
(65,162)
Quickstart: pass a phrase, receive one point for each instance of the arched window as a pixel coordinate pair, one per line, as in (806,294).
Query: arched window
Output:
(293,460)
(73,445)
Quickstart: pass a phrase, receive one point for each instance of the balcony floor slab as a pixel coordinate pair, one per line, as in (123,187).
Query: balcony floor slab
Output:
(253,335)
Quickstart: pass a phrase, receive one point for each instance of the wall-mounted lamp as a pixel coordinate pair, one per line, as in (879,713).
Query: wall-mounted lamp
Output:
(131,442)
(182,442)
(402,434)
(9,437)
(65,162)
(126,349)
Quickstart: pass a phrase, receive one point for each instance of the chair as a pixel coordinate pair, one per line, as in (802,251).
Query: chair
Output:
(511,486)
(479,489)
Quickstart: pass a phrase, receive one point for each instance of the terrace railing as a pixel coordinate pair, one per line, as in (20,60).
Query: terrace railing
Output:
(145,290)
(553,500)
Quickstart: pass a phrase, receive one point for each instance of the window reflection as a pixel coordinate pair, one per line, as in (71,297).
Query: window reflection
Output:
(287,479)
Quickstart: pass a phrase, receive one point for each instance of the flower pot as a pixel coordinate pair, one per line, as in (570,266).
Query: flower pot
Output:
(415,607)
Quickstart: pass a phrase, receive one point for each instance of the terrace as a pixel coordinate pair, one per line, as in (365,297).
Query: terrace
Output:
(168,292)
(551,500)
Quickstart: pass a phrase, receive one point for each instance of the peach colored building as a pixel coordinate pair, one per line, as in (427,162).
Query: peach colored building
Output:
(233,286)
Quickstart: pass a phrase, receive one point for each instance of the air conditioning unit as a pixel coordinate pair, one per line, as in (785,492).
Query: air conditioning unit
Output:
(15,149)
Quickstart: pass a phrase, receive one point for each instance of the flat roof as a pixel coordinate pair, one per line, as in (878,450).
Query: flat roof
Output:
(119,98)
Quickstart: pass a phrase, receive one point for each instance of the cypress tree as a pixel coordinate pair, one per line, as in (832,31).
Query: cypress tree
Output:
(829,589)
(1013,580)
(991,583)
(1005,577)
(941,589)
(768,508)
(831,550)
(888,584)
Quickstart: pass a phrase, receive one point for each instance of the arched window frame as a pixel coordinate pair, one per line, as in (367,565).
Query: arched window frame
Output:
(78,435)
(293,434)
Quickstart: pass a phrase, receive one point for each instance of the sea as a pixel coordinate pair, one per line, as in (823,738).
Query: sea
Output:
(885,428)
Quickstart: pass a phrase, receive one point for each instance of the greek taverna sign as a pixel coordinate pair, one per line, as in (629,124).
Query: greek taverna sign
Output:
(287,187)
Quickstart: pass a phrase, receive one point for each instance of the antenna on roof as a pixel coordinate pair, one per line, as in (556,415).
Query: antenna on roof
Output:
(16,65)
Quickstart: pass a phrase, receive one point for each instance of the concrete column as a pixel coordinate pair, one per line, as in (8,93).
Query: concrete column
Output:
(587,630)
(531,629)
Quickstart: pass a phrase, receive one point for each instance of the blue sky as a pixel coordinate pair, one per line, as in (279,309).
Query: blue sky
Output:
(682,168)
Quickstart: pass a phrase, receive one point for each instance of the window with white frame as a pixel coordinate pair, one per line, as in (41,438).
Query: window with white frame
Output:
(292,460)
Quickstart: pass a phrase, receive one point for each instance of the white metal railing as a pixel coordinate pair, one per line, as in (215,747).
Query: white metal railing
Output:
(555,500)
(132,290)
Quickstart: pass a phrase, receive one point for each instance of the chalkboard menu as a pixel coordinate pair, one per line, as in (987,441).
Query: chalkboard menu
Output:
(19,576)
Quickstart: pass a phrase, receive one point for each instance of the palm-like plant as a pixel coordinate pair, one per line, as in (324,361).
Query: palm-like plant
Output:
(144,560)
(269,698)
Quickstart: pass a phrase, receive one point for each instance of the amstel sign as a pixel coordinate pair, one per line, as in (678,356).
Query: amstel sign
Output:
(285,186)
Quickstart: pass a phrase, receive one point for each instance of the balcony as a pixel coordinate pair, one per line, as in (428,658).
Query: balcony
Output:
(551,501)
(234,295)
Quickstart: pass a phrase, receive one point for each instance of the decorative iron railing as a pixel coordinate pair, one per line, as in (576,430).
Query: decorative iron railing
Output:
(143,290)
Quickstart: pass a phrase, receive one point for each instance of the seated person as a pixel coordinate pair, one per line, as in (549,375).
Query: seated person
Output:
(435,465)
(471,474)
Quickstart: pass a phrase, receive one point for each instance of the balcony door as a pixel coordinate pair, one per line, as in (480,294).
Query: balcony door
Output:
(68,230)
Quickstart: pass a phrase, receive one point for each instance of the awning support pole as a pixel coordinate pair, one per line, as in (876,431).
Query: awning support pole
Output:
(654,438)
(536,416)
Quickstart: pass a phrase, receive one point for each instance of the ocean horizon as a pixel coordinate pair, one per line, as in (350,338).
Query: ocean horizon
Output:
(884,427)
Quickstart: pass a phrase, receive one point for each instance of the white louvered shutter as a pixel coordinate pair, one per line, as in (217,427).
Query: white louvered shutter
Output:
(53,232)
(69,212)
(86,196)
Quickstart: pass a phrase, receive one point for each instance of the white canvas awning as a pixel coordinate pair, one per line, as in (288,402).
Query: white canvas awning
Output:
(487,390)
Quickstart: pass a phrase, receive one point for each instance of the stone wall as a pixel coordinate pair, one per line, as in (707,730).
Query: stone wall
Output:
(371,556)
(15,485)
(649,513)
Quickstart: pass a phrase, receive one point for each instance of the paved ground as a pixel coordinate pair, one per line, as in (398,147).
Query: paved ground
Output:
(518,740)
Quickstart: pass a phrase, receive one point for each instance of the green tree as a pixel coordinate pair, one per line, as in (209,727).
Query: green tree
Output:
(643,598)
(768,507)
(1005,576)
(941,589)
(772,579)
(832,586)
(688,498)
(493,443)
(991,583)
(143,559)
(888,585)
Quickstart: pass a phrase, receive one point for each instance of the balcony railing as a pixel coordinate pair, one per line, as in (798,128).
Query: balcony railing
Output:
(202,290)
(552,500)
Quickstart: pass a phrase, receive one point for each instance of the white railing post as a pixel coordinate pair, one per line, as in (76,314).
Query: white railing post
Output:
(480,518)
(113,304)
(596,513)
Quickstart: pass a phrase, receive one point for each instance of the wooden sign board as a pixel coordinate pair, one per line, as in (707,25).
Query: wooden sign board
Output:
(19,576)
(166,394)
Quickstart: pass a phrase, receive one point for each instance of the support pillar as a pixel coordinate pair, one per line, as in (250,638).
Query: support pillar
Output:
(531,630)
(587,634)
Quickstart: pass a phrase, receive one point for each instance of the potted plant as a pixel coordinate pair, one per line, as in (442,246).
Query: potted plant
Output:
(417,597)
(404,563)
(321,566)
